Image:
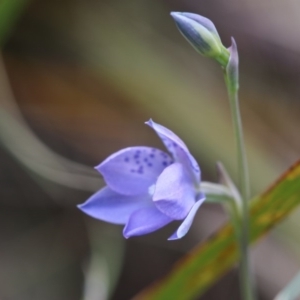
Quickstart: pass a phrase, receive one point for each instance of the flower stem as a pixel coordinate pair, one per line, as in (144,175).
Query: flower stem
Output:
(242,231)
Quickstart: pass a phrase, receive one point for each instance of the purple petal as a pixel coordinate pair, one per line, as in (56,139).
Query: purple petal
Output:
(132,171)
(177,148)
(144,221)
(208,24)
(186,224)
(175,193)
(109,206)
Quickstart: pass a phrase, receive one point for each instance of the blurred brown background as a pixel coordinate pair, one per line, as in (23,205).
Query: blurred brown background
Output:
(77,81)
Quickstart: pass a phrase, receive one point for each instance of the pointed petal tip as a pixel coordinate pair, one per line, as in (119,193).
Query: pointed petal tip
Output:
(126,235)
(82,207)
(98,167)
(174,14)
(178,17)
(174,237)
(149,122)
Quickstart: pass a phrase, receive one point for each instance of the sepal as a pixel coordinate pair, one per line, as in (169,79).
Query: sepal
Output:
(215,193)
(232,69)
(226,180)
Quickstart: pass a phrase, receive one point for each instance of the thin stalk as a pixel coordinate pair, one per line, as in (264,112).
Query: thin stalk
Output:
(243,213)
(238,132)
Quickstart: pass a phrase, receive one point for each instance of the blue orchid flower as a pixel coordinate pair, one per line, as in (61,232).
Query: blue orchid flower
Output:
(148,188)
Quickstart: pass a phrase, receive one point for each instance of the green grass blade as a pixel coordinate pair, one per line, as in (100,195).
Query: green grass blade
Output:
(198,270)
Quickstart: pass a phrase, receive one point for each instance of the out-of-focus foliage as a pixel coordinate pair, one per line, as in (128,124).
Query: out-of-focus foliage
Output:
(10,10)
(198,270)
(85,75)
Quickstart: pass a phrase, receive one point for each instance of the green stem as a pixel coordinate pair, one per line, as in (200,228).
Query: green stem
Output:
(243,212)
(238,131)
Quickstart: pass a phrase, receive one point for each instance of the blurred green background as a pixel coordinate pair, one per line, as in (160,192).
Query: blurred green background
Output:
(78,78)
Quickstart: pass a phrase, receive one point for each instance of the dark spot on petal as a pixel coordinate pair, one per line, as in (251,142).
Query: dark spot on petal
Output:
(152,155)
(141,170)
(145,159)
(150,165)
(137,162)
(164,163)
(126,159)
(132,171)
(174,144)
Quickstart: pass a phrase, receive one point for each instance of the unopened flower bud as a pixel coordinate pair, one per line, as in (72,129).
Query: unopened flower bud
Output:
(201,33)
